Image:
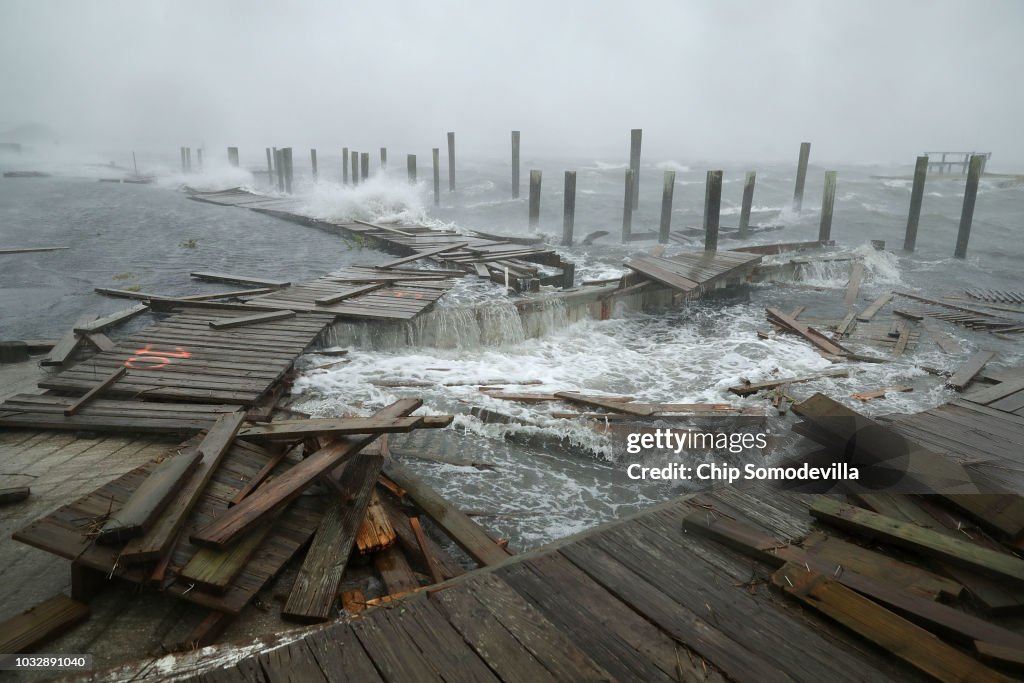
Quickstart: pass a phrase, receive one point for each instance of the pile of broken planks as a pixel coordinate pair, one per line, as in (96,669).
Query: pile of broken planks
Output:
(216,518)
(996,312)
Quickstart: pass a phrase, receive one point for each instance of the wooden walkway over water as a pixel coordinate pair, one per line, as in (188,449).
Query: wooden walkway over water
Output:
(746,583)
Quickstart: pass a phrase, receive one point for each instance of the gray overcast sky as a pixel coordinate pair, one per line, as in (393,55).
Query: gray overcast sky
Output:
(723,79)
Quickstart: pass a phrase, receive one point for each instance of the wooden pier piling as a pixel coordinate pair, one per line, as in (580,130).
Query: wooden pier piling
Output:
(801,176)
(410,167)
(970,196)
(748,202)
(233,156)
(354,163)
(535,178)
(199,160)
(344,165)
(188,159)
(627,205)
(286,155)
(270,167)
(635,138)
(383,158)
(451,162)
(436,157)
(182,151)
(312,163)
(828,199)
(667,192)
(279,165)
(916,196)
(569,208)
(364,166)
(515,164)
(712,210)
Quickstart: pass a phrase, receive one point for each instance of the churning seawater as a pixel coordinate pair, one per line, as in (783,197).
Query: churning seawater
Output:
(546,477)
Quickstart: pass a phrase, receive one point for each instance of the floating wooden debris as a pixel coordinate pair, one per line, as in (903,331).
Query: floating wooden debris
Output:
(752,388)
(868,313)
(30,250)
(853,286)
(816,338)
(963,376)
(239,280)
(881,393)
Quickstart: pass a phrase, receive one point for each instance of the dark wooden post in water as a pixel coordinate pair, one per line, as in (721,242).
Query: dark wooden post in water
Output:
(344,165)
(182,150)
(635,137)
(451,162)
(712,210)
(801,175)
(569,208)
(436,155)
(916,196)
(270,167)
(748,202)
(515,164)
(828,199)
(364,165)
(279,165)
(233,156)
(199,159)
(535,177)
(627,205)
(188,159)
(665,227)
(970,195)
(410,166)
(286,154)
(383,158)
(312,162)
(354,159)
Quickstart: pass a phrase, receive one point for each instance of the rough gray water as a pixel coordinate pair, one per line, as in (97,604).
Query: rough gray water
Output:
(554,477)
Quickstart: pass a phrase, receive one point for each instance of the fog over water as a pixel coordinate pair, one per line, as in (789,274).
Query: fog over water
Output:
(874,80)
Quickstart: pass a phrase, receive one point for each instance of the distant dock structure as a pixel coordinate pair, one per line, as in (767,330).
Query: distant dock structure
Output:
(944,163)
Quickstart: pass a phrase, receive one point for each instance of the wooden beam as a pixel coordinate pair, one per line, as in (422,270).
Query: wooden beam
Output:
(158,539)
(239,280)
(31,250)
(100,341)
(358,291)
(422,254)
(853,286)
(421,540)
(14,494)
(395,571)
(963,376)
(222,531)
(375,531)
(747,389)
(994,393)
(1009,657)
(100,324)
(340,426)
(461,528)
(600,402)
(314,594)
(104,384)
(42,623)
(147,501)
(909,642)
(807,332)
(215,570)
(924,541)
(259,477)
(66,345)
(402,525)
(241,321)
(868,313)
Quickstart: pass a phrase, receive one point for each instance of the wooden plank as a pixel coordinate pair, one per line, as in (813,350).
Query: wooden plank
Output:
(902,340)
(112,319)
(853,286)
(157,540)
(395,572)
(44,622)
(1002,513)
(747,389)
(461,528)
(422,254)
(963,376)
(314,594)
(103,385)
(221,532)
(410,543)
(14,494)
(868,313)
(100,341)
(912,644)
(601,402)
(241,321)
(30,250)
(375,531)
(1009,657)
(421,539)
(66,345)
(918,539)
(994,393)
(239,280)
(259,477)
(215,570)
(881,393)
(349,294)
(340,426)
(809,333)
(153,494)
